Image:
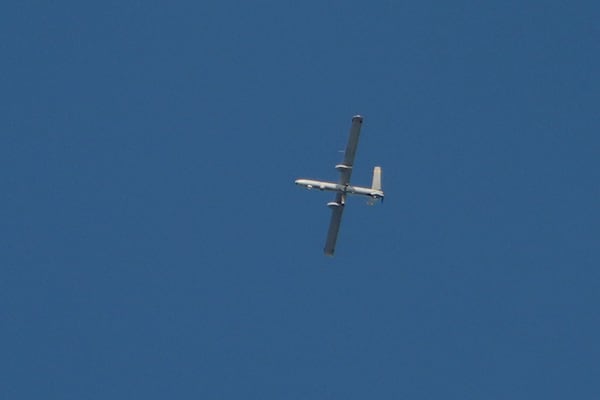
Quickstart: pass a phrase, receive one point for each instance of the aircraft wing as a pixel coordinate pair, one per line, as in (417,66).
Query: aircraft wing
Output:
(346,166)
(334,224)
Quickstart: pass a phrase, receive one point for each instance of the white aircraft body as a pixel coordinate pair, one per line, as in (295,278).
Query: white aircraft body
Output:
(343,187)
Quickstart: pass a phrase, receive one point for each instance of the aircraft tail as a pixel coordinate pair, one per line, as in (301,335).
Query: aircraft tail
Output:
(376,185)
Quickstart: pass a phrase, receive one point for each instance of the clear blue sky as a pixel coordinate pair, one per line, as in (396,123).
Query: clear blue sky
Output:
(154,246)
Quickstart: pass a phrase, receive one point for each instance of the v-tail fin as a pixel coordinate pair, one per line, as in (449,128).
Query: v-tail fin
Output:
(376,185)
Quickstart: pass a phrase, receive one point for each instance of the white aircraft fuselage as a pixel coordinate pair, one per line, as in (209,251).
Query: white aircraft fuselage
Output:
(336,187)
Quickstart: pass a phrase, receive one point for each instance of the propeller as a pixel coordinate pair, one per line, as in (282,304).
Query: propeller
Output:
(373,199)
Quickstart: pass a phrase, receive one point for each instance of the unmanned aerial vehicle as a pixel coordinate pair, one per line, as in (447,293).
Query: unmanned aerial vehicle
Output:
(343,188)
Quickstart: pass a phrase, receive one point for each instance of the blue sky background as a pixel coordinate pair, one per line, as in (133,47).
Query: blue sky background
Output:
(154,244)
